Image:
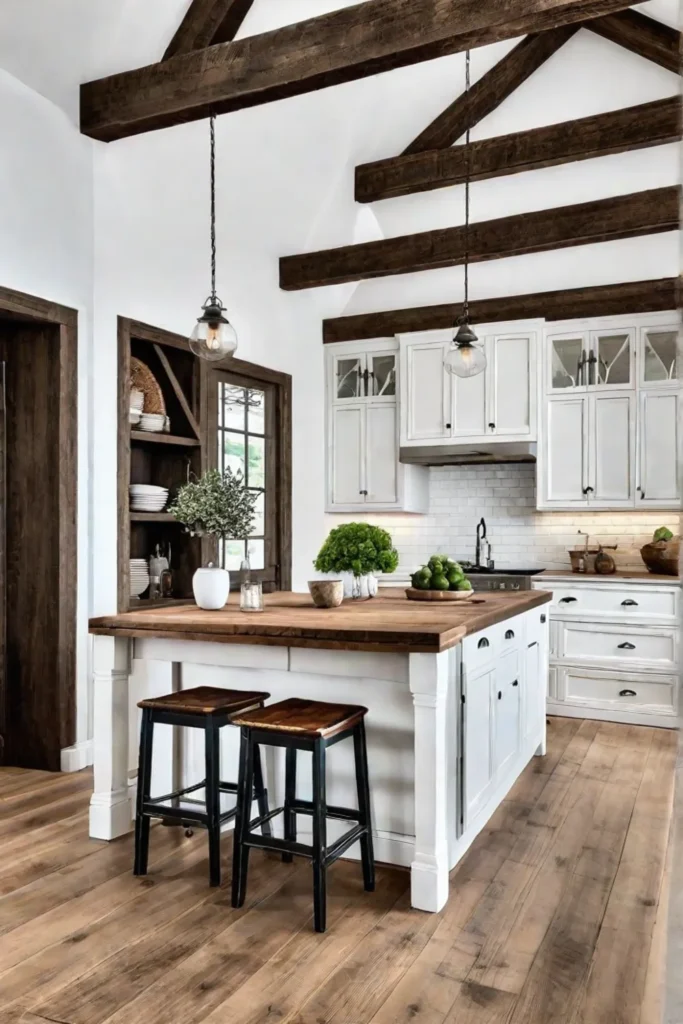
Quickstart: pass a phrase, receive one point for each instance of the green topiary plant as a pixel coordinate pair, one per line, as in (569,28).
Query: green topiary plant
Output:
(359,548)
(216,505)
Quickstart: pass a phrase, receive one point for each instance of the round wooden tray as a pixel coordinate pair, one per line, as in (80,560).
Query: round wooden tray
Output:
(438,595)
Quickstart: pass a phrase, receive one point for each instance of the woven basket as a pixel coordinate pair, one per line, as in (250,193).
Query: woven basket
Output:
(142,378)
(662,556)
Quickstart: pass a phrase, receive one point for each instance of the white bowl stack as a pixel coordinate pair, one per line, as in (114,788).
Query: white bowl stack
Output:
(139,576)
(153,422)
(147,498)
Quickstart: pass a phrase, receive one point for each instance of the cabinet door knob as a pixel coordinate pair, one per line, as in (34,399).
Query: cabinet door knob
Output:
(500,695)
(483,643)
(492,426)
(448,426)
(628,603)
(587,490)
(626,646)
(515,682)
(627,693)
(567,600)
(542,620)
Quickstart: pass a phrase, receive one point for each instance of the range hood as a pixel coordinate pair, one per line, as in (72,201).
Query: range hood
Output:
(463,454)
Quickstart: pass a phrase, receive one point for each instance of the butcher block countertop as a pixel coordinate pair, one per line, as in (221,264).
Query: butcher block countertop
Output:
(389,623)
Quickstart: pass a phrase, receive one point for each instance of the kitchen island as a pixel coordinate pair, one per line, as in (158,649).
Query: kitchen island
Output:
(455,690)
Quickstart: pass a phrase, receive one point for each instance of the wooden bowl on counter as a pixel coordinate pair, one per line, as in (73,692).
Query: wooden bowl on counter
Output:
(662,556)
(413,594)
(326,593)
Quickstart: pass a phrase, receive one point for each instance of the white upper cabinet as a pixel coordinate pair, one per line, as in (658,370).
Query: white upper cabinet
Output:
(657,449)
(363,469)
(609,414)
(499,404)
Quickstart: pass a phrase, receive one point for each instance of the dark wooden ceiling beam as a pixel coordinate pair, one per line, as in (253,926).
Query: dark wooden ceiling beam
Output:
(642,35)
(207,22)
(566,304)
(345,45)
(618,131)
(491,89)
(640,213)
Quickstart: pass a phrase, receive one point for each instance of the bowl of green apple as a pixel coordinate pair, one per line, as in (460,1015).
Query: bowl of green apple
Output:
(441,579)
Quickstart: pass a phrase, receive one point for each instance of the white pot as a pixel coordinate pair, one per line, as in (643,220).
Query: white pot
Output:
(360,586)
(211,587)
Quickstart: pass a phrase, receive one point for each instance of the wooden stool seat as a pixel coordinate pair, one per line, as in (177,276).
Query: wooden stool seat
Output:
(311,718)
(206,700)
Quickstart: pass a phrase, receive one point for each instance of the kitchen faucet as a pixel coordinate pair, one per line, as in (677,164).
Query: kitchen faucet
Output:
(483,546)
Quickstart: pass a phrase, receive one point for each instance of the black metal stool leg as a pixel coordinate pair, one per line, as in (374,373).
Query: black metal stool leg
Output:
(290,798)
(363,785)
(319,837)
(142,822)
(213,799)
(245,791)
(261,791)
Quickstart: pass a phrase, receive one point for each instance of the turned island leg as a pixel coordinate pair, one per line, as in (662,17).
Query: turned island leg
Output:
(110,807)
(429,683)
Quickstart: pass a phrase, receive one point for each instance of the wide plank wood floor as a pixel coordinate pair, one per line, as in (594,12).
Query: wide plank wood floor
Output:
(556,916)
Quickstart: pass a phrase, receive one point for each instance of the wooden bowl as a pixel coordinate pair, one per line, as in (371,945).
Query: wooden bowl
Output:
(326,593)
(438,595)
(662,557)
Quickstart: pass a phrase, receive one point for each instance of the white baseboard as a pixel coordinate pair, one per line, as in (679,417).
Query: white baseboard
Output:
(74,759)
(565,710)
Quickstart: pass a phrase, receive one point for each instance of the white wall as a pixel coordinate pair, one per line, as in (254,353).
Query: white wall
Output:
(46,249)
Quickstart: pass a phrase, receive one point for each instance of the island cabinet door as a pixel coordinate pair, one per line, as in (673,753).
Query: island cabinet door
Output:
(507,711)
(478,738)
(533,693)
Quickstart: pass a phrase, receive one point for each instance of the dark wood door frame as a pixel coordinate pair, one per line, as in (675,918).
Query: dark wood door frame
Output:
(19,306)
(282,384)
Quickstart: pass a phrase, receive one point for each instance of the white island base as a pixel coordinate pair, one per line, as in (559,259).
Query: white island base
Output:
(448,733)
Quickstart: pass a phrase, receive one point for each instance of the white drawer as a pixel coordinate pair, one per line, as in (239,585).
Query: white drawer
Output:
(593,688)
(655,646)
(484,646)
(610,598)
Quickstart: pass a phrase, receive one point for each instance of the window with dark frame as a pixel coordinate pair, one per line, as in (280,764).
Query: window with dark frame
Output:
(242,448)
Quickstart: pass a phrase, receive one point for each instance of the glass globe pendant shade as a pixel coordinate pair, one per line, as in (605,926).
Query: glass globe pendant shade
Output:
(465,357)
(213,337)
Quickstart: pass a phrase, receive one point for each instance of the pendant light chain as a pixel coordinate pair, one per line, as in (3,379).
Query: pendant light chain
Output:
(466,303)
(212,127)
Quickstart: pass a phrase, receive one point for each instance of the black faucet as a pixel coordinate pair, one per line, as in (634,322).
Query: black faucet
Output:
(481,541)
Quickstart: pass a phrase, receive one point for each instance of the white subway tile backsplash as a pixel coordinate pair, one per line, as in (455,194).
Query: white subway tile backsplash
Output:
(519,535)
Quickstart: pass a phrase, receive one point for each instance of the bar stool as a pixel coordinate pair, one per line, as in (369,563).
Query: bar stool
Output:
(313,726)
(208,708)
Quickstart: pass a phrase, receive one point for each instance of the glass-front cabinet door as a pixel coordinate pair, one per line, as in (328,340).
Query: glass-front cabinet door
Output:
(610,360)
(658,356)
(349,380)
(568,361)
(381,375)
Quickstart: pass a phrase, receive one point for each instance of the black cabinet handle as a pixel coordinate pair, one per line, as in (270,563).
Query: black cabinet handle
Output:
(626,646)
(587,490)
(567,600)
(515,682)
(483,643)
(362,492)
(628,603)
(509,634)
(492,426)
(627,693)
(448,426)
(542,620)
(500,695)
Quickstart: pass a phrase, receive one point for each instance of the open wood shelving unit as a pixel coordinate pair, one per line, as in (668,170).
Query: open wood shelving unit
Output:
(164,459)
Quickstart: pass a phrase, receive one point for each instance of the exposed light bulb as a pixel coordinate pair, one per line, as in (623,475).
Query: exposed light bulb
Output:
(213,337)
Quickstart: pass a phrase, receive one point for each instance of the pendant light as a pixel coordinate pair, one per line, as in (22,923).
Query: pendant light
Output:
(466,357)
(213,337)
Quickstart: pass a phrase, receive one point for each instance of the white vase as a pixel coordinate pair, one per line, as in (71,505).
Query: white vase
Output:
(211,587)
(360,587)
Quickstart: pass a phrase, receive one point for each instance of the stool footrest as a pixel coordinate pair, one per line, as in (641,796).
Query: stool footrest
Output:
(342,844)
(342,813)
(335,851)
(198,817)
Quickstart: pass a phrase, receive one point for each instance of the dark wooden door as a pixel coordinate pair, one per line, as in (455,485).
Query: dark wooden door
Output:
(30,583)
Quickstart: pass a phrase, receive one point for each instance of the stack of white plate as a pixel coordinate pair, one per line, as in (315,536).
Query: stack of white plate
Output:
(139,576)
(152,421)
(147,498)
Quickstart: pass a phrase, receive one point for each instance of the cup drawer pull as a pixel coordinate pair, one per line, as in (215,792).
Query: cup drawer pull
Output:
(628,603)
(483,643)
(567,600)
(626,646)
(509,634)
(627,693)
